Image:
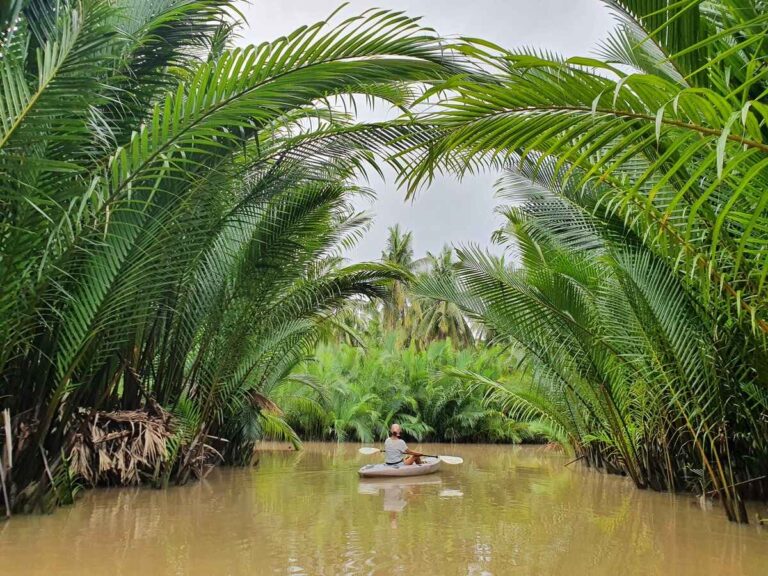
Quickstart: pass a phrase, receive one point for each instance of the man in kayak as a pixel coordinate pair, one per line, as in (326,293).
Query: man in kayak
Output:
(396,451)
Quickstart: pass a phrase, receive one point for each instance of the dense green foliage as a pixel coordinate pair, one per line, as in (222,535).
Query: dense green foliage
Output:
(172,211)
(402,360)
(170,214)
(355,393)
(639,222)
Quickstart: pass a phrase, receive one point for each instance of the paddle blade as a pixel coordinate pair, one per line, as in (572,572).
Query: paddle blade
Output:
(452,459)
(367,450)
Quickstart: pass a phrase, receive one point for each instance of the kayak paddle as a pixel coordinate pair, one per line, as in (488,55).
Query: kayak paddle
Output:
(368,451)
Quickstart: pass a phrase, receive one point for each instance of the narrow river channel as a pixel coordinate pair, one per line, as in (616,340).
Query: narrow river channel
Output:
(506,510)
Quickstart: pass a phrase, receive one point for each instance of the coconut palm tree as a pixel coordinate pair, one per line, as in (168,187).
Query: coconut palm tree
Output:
(439,319)
(398,252)
(420,320)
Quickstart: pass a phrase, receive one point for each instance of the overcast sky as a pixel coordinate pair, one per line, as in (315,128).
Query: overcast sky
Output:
(449,212)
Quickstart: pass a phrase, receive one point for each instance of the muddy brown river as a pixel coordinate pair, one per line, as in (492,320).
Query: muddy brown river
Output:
(506,510)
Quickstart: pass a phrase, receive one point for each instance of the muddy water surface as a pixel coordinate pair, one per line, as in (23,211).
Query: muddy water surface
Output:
(507,510)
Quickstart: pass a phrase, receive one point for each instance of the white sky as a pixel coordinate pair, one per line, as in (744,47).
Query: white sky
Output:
(449,212)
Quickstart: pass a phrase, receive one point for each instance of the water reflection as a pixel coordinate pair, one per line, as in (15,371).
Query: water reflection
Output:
(505,511)
(396,492)
(449,493)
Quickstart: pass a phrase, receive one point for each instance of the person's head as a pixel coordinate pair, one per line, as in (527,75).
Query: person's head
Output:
(395,430)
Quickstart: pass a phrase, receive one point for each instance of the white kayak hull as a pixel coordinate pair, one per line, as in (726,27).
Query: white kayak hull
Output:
(429,466)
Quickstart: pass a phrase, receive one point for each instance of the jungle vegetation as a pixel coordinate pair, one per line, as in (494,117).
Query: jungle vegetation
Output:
(402,359)
(636,208)
(173,210)
(353,393)
(169,207)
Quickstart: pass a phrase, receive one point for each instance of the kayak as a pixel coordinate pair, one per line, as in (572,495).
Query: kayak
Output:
(377,483)
(430,466)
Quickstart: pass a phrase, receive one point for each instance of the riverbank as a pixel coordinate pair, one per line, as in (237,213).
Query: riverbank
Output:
(506,510)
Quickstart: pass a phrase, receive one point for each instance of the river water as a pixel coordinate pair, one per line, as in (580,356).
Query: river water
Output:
(506,510)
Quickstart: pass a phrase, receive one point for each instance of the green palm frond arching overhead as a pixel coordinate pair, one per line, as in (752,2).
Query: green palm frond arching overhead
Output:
(173,210)
(672,129)
(626,364)
(166,198)
(636,224)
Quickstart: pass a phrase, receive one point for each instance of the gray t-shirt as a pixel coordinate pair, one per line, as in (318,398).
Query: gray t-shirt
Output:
(394,450)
